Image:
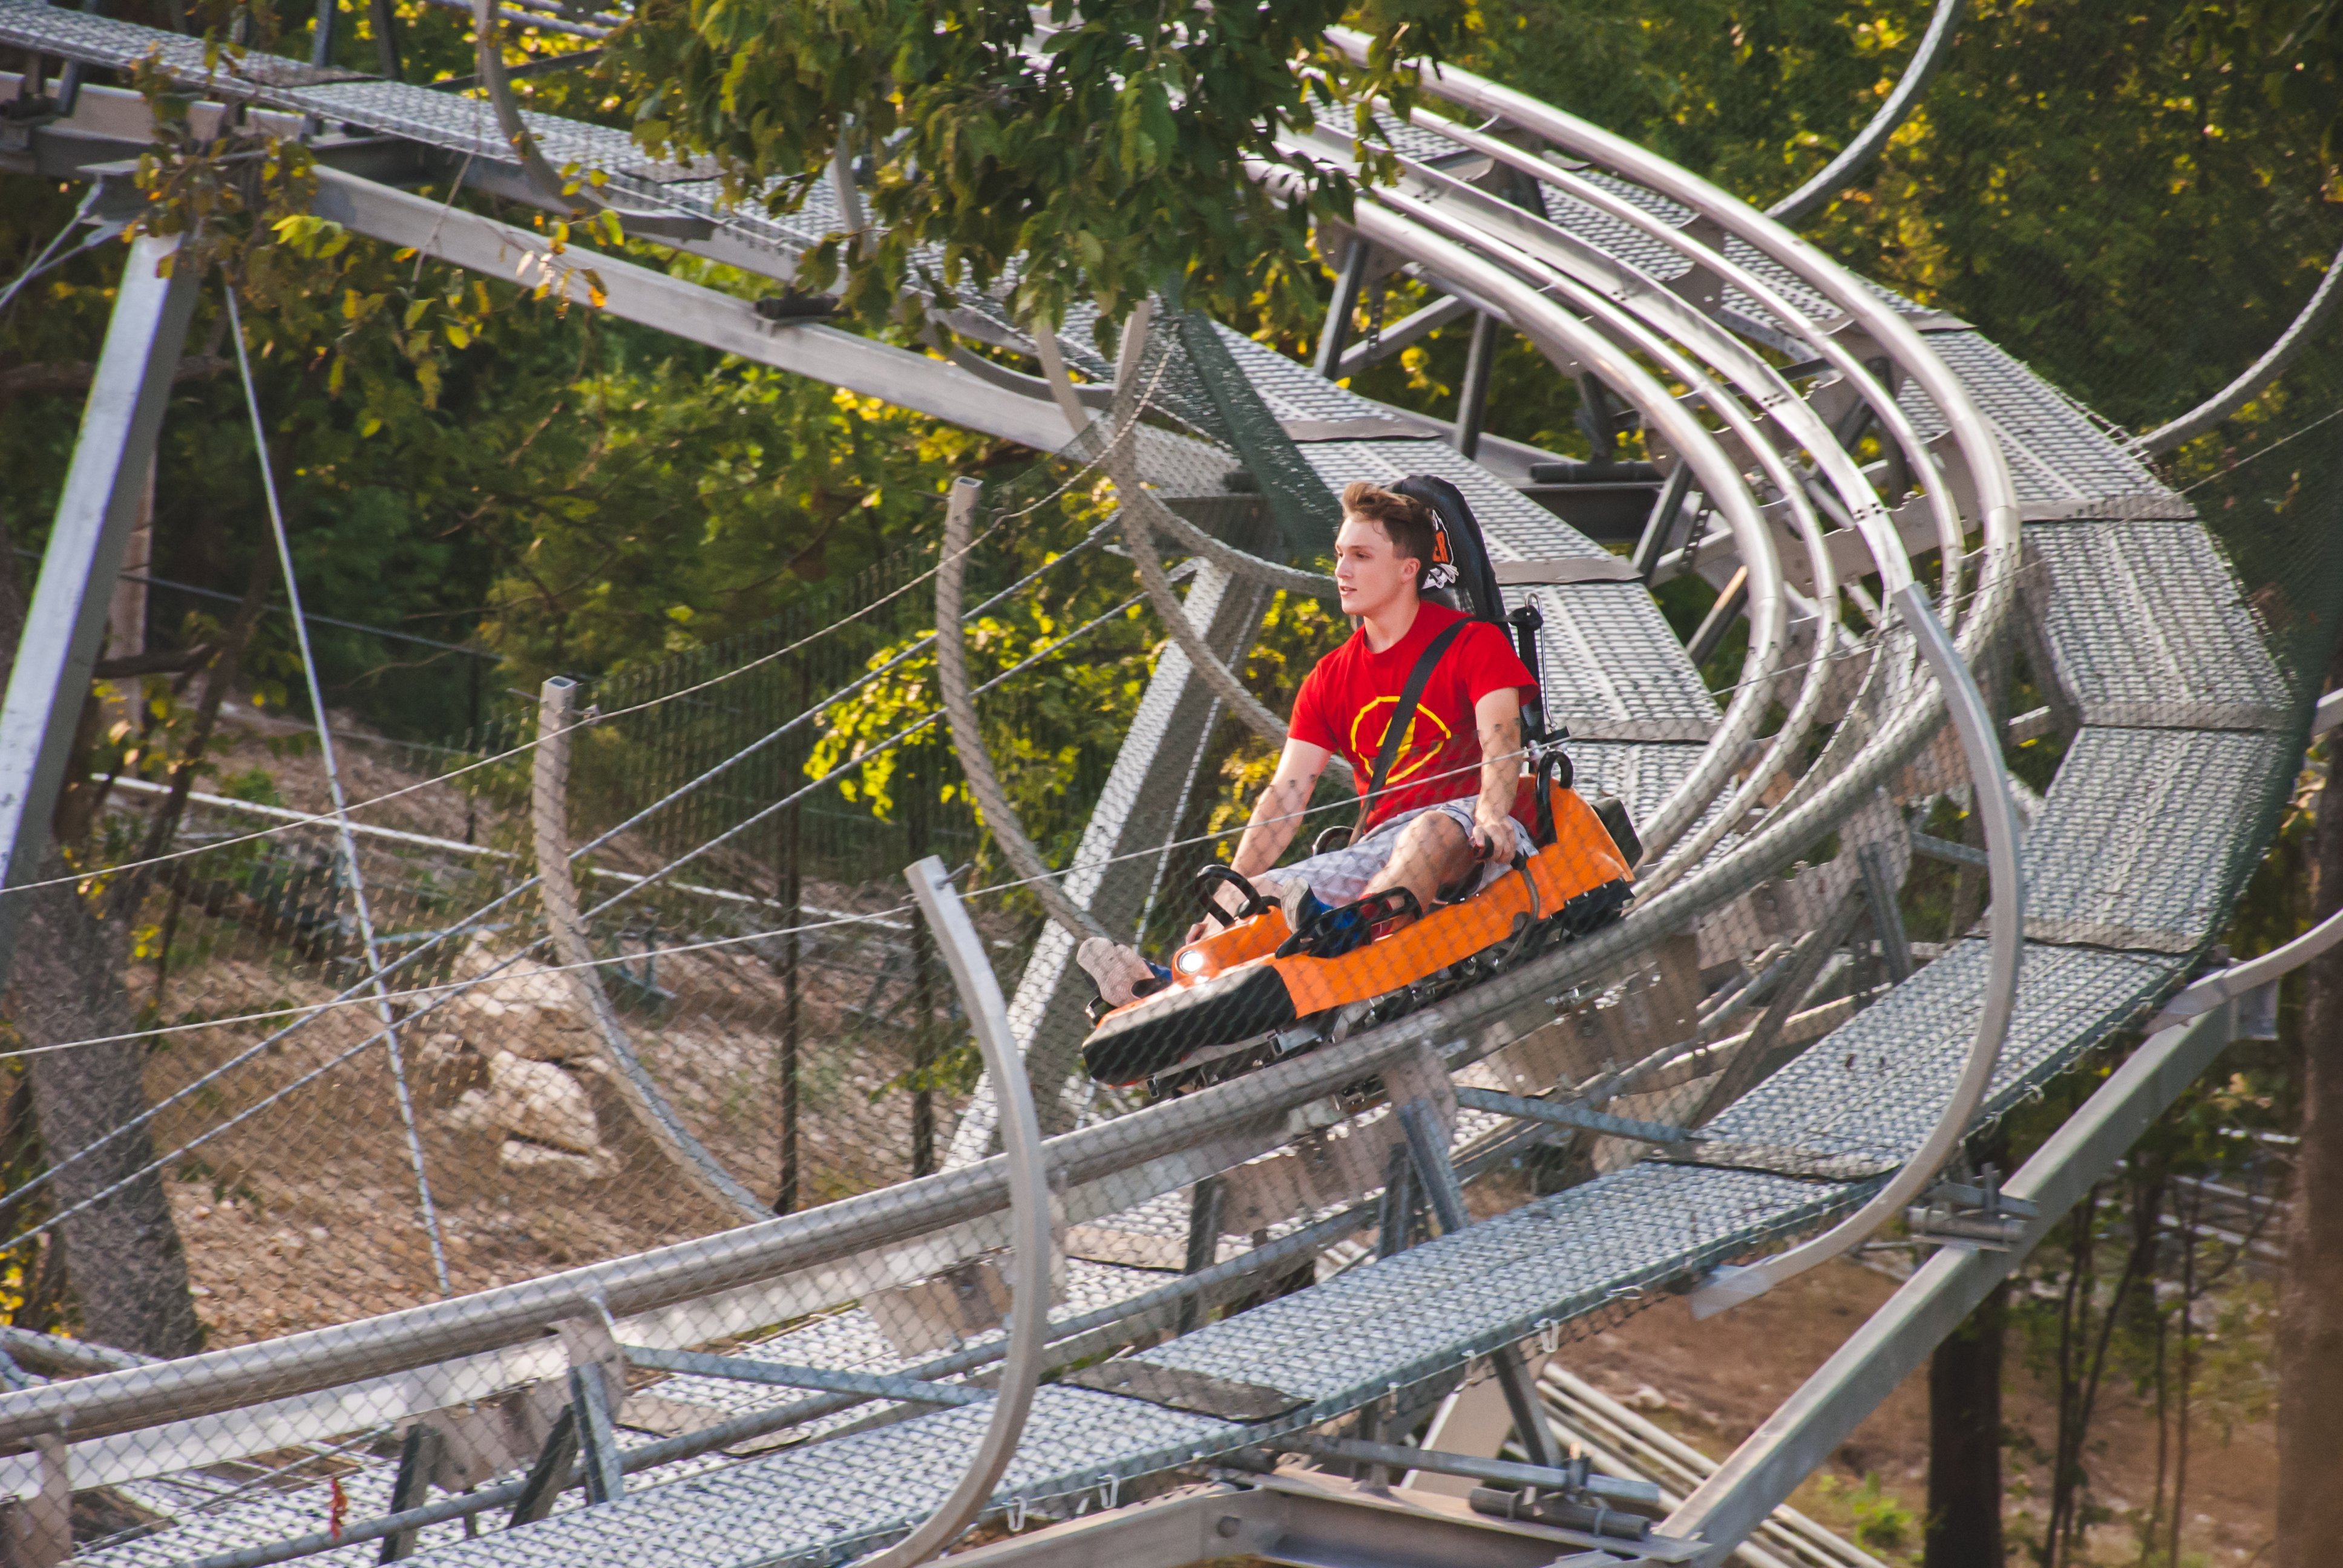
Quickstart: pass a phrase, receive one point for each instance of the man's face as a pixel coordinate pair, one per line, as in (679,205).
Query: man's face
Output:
(1370,576)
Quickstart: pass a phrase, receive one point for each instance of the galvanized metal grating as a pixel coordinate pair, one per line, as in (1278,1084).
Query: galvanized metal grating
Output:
(1292,389)
(1875,1086)
(2149,626)
(1640,775)
(1614,670)
(2058,456)
(2137,862)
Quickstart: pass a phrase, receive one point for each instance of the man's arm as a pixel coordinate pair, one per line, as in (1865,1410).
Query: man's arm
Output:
(1277,815)
(1276,818)
(1498,718)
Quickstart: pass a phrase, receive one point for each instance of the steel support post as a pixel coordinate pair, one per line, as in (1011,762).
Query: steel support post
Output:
(99,507)
(1661,534)
(1115,867)
(417,1456)
(1886,917)
(1335,336)
(598,1438)
(1429,1147)
(1472,403)
(1935,1301)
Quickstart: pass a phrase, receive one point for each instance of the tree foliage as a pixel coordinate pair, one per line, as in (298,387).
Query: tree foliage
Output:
(1099,146)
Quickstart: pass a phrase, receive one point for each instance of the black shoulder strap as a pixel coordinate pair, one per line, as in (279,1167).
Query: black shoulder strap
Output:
(1404,715)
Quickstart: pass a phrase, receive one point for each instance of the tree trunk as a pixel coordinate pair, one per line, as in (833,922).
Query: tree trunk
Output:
(2310,1292)
(123,1254)
(1964,1441)
(124,1259)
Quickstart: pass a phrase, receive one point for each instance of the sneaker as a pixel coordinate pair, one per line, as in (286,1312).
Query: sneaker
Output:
(1329,933)
(1121,973)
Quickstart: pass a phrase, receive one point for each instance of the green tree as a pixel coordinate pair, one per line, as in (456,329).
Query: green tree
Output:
(1096,148)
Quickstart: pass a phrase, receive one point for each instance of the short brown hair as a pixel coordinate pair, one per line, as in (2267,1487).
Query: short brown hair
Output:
(1406,521)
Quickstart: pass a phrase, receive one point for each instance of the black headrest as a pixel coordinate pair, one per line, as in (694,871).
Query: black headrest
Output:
(1460,575)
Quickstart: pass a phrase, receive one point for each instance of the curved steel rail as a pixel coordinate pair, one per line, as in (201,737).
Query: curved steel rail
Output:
(967,738)
(1988,469)
(2256,377)
(542,177)
(548,796)
(1033,1232)
(1871,140)
(1870,520)
(1989,778)
(2228,984)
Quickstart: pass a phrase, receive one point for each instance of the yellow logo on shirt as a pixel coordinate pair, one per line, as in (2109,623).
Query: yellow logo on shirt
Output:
(1410,746)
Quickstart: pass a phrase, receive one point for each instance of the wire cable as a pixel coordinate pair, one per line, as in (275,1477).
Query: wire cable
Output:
(429,1210)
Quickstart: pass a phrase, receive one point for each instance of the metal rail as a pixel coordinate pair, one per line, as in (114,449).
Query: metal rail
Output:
(1935,43)
(959,713)
(1935,1301)
(557,720)
(1032,1237)
(2255,377)
(1989,782)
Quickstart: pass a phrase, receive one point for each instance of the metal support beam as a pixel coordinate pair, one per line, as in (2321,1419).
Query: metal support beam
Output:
(1428,1145)
(321,41)
(1293,1516)
(598,1438)
(549,1476)
(1335,336)
(1710,634)
(1937,1299)
(1563,1114)
(1886,917)
(776,1374)
(412,1489)
(98,509)
(383,24)
(634,293)
(1496,1471)
(1661,530)
(1472,402)
(1207,1200)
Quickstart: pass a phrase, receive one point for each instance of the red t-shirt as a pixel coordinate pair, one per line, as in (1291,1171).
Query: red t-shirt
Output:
(1346,703)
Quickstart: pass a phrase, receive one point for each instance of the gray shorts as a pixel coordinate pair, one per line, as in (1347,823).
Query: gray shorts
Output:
(1340,875)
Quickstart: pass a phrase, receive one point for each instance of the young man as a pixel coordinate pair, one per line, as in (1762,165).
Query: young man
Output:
(1453,802)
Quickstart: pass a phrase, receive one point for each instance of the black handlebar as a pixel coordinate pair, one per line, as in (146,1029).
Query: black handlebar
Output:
(1211,877)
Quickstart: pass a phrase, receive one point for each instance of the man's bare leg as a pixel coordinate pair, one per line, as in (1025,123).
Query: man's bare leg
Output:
(1433,853)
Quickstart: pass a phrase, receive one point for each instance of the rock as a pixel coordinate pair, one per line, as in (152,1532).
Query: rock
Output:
(528,1099)
(436,1050)
(527,1010)
(522,1157)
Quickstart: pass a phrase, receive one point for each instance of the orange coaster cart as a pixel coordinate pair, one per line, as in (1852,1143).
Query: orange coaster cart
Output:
(1233,1003)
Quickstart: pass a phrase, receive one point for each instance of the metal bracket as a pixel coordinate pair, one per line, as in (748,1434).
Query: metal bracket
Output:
(1971,1214)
